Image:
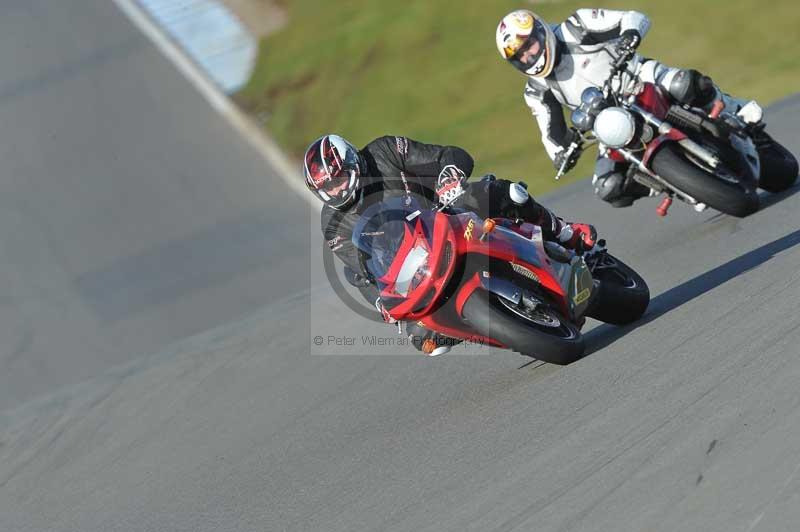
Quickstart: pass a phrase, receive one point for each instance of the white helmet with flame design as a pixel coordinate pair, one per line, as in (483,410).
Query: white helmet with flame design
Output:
(527,42)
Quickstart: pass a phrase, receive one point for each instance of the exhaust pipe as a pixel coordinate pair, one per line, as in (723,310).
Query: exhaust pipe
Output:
(699,152)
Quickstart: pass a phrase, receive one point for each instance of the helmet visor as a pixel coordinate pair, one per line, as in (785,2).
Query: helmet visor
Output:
(533,51)
(328,172)
(330,182)
(338,186)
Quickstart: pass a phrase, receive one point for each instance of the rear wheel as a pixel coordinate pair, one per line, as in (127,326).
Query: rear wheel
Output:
(541,333)
(778,168)
(623,296)
(674,167)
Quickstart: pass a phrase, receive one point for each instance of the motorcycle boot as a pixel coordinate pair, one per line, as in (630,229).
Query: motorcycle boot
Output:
(611,184)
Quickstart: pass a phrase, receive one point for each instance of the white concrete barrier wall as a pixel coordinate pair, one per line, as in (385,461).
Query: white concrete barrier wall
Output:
(211,35)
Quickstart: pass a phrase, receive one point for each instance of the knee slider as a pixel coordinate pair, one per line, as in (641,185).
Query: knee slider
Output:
(706,92)
(690,87)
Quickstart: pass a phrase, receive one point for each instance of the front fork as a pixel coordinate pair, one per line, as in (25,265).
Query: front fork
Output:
(648,178)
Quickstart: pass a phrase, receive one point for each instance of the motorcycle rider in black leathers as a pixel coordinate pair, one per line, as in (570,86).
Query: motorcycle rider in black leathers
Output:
(562,60)
(348,180)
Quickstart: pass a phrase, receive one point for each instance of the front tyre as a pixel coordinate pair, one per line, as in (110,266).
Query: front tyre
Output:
(622,297)
(674,167)
(778,168)
(541,333)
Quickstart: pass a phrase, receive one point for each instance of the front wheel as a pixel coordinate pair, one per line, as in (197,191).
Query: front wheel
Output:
(778,168)
(675,168)
(622,297)
(541,333)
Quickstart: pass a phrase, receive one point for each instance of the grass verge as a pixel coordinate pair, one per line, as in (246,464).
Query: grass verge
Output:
(429,70)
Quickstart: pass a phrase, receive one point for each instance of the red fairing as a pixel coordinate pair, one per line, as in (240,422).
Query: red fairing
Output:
(654,99)
(616,156)
(410,308)
(545,279)
(501,247)
(452,238)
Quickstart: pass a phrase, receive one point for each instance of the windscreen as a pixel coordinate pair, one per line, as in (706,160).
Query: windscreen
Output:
(385,227)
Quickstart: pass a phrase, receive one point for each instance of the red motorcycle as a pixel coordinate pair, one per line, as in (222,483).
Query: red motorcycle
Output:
(493,281)
(705,159)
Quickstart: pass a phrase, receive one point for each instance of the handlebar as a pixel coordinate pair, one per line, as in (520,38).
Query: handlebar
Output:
(576,145)
(622,61)
(619,65)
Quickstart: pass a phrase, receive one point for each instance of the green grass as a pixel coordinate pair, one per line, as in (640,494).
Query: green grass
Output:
(429,70)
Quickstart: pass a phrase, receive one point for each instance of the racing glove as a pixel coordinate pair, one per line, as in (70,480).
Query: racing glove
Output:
(571,159)
(355,279)
(571,234)
(628,42)
(450,184)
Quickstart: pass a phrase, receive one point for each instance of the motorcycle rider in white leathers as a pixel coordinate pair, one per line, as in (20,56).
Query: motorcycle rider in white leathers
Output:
(564,59)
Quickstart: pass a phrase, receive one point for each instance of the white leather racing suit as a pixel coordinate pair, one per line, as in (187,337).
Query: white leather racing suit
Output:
(586,50)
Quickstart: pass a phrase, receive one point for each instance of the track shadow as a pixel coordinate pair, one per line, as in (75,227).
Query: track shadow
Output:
(673,298)
(768,200)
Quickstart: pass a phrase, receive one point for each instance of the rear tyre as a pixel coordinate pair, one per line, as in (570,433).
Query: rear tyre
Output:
(673,166)
(542,334)
(622,297)
(778,168)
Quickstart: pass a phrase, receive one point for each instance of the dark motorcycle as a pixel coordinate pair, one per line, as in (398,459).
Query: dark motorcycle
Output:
(705,160)
(493,281)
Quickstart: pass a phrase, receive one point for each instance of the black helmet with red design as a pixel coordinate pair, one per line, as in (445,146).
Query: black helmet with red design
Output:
(332,170)
(527,42)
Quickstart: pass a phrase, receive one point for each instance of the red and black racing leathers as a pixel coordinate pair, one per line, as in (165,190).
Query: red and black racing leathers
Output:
(398,165)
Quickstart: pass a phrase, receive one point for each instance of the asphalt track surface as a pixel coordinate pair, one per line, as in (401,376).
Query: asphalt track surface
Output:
(687,421)
(130,214)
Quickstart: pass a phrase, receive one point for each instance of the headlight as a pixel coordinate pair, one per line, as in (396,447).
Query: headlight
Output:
(582,120)
(614,127)
(413,270)
(592,100)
